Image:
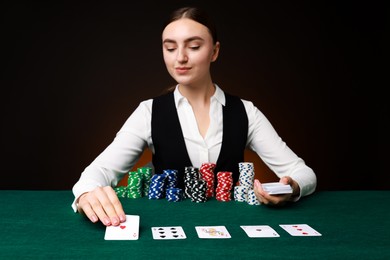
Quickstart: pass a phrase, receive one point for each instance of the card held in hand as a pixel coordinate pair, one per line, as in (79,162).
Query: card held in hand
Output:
(127,230)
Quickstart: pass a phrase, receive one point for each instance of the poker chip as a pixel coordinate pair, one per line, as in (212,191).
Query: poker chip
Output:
(134,186)
(240,193)
(174,194)
(157,186)
(244,191)
(190,175)
(252,199)
(171,178)
(224,186)
(198,191)
(121,191)
(207,174)
(146,174)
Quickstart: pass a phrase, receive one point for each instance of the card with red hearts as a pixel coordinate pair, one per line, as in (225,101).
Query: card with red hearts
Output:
(300,230)
(127,230)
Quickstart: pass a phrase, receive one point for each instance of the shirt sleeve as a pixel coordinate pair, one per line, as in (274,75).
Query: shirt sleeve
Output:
(120,156)
(269,146)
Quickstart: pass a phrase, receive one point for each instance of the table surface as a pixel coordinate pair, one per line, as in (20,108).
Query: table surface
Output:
(42,225)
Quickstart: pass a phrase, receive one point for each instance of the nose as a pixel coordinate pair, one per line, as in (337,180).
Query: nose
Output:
(182,56)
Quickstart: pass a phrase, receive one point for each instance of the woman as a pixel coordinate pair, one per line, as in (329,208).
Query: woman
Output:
(195,123)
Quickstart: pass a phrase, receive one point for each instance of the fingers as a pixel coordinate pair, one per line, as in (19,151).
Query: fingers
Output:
(294,185)
(102,204)
(260,193)
(85,208)
(265,198)
(118,209)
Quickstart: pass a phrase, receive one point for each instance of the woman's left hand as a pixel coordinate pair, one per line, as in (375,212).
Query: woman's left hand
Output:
(277,200)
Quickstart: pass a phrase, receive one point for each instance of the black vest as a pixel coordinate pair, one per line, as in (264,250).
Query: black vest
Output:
(168,140)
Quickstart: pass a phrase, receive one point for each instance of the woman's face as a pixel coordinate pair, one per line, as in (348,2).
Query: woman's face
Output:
(188,50)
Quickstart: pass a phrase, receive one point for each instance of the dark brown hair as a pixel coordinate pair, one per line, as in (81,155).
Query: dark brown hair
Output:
(198,15)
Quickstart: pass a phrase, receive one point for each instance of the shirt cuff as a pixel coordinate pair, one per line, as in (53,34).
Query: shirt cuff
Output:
(82,187)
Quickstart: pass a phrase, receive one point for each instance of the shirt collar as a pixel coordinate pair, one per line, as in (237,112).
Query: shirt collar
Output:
(219,96)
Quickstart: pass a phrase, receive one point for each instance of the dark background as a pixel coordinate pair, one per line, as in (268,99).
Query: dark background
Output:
(74,72)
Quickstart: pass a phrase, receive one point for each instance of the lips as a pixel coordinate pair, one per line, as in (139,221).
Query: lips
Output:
(182,70)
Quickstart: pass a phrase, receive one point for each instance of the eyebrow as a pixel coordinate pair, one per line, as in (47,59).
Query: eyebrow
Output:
(186,40)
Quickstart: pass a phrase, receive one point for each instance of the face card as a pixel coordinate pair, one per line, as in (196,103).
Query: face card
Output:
(300,230)
(212,232)
(164,233)
(260,231)
(127,230)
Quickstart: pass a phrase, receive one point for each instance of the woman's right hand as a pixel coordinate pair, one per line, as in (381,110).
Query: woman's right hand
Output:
(102,204)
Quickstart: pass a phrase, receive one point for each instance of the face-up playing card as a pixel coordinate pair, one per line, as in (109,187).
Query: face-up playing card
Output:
(260,231)
(212,232)
(300,230)
(127,230)
(164,233)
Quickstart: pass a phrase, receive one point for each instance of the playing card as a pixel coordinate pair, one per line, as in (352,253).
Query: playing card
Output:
(165,233)
(212,232)
(300,230)
(127,230)
(260,231)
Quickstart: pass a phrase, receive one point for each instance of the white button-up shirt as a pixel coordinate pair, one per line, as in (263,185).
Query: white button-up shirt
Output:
(135,135)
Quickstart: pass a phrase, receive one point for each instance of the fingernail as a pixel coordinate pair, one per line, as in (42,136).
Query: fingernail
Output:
(115,221)
(94,218)
(122,218)
(107,222)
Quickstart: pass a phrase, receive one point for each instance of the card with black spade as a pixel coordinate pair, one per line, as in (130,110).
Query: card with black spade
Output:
(164,233)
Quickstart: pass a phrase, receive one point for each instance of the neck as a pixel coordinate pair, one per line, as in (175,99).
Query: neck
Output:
(197,94)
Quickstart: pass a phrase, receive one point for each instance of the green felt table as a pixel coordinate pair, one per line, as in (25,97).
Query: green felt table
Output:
(353,224)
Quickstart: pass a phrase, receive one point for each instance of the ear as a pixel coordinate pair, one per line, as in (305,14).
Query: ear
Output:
(215,52)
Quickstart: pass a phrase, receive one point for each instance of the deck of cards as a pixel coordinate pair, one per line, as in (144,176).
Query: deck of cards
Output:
(274,188)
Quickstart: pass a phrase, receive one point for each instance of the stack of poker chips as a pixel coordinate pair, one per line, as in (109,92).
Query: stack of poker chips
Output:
(224,186)
(194,186)
(157,186)
(198,191)
(134,185)
(207,174)
(172,193)
(137,184)
(146,173)
(244,191)
(190,174)
(164,185)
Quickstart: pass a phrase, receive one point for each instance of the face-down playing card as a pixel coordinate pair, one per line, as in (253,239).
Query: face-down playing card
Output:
(164,233)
